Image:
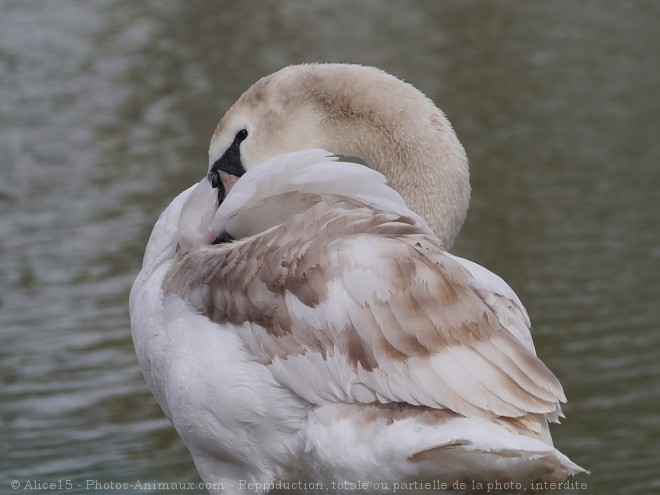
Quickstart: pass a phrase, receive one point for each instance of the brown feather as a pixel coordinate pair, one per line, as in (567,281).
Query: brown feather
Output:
(429,308)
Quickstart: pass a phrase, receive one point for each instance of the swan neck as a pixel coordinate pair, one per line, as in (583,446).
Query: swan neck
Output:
(415,147)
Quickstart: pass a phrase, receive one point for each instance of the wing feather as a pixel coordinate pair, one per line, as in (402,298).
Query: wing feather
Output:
(369,307)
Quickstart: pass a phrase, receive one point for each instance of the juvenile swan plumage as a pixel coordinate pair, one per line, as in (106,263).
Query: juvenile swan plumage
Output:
(301,322)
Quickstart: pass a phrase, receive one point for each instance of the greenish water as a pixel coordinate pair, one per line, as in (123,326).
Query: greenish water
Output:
(106,108)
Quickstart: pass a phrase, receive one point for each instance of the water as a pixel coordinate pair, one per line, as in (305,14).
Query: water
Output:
(106,108)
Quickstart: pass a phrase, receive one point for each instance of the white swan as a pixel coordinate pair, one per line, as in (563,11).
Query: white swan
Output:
(328,336)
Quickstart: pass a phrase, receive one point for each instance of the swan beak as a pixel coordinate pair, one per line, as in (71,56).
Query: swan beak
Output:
(222,181)
(227,180)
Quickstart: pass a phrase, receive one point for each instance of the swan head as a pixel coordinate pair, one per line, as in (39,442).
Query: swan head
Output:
(354,111)
(271,118)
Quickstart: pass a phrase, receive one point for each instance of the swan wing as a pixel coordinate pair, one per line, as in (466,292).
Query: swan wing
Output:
(369,308)
(501,298)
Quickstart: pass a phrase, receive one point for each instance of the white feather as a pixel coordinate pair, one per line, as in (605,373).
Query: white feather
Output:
(197,214)
(211,414)
(484,451)
(313,171)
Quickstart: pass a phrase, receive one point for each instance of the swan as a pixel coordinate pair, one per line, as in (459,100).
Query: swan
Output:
(300,320)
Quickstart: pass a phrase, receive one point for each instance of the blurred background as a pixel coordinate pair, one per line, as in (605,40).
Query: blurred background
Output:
(106,109)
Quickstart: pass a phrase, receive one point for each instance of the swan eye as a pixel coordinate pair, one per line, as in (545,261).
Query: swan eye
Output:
(241,135)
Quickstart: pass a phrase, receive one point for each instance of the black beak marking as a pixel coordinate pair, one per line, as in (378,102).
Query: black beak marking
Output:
(230,162)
